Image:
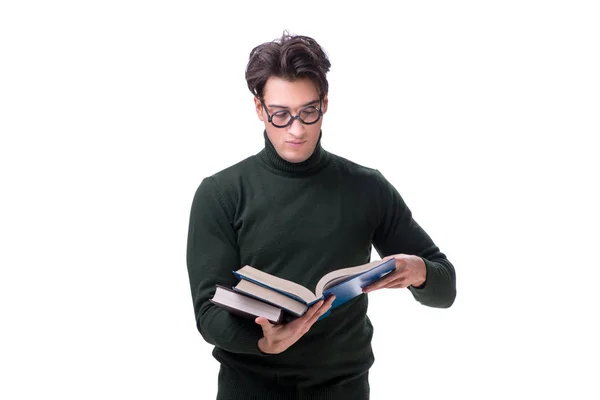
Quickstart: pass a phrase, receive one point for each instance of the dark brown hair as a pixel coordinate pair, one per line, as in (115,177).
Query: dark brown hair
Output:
(290,57)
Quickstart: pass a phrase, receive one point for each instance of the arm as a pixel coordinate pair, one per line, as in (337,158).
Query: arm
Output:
(399,233)
(212,256)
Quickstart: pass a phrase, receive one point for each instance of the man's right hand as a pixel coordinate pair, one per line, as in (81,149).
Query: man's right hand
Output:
(278,338)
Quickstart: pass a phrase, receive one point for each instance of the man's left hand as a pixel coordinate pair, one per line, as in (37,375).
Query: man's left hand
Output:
(410,270)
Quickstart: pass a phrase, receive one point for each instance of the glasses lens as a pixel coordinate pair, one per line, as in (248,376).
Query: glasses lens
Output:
(280,118)
(309,115)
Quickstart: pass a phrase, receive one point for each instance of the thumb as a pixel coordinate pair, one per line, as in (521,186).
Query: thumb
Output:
(263,322)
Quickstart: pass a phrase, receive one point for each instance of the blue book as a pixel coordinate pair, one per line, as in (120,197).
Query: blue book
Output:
(345,284)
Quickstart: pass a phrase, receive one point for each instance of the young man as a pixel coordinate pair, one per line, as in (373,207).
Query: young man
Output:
(297,211)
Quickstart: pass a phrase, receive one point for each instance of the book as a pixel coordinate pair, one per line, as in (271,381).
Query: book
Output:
(344,283)
(244,306)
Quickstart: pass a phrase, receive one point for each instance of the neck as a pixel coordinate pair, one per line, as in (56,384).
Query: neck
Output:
(318,159)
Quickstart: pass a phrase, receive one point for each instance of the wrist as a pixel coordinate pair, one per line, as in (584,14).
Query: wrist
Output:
(419,284)
(420,281)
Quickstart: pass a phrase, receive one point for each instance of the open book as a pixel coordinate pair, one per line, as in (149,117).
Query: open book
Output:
(345,284)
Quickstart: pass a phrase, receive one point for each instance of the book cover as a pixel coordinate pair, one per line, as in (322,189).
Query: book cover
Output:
(352,286)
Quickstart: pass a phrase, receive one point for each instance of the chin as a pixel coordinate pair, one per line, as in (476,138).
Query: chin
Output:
(296,158)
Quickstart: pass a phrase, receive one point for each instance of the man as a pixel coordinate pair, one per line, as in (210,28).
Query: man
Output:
(297,211)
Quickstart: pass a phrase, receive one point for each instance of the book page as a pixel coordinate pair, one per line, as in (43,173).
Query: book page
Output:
(339,275)
(279,284)
(235,301)
(335,281)
(271,296)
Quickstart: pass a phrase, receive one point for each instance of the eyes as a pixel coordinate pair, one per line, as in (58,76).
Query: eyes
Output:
(307,114)
(283,118)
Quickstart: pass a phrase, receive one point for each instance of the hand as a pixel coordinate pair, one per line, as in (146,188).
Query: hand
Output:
(278,338)
(410,270)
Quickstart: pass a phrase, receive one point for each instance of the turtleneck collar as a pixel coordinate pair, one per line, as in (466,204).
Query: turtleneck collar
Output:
(319,159)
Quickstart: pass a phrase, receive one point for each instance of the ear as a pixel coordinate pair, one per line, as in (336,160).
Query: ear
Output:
(259,109)
(325,103)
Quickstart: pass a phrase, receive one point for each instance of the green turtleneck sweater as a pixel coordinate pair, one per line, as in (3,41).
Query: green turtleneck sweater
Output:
(300,221)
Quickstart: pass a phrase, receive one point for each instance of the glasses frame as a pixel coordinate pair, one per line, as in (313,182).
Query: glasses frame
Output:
(293,117)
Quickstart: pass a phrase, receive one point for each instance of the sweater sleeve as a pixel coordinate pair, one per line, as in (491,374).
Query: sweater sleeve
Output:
(212,256)
(399,233)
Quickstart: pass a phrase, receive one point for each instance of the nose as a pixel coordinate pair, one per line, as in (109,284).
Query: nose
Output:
(296,128)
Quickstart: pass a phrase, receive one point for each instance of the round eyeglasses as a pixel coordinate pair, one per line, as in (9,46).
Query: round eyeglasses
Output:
(283,118)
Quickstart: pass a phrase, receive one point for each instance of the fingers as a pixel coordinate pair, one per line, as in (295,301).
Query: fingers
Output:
(322,310)
(395,280)
(308,314)
(313,310)
(387,280)
(399,286)
(401,282)
(383,282)
(264,323)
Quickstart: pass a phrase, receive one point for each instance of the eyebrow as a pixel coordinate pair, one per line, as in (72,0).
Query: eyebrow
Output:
(303,105)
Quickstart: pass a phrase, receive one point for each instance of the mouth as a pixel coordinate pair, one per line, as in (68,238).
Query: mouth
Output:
(295,142)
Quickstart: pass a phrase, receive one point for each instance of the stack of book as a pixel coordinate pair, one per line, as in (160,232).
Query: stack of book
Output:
(259,294)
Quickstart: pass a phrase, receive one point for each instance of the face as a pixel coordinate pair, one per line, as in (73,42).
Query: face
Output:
(297,142)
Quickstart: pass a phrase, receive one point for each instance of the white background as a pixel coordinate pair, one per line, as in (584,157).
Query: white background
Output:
(484,115)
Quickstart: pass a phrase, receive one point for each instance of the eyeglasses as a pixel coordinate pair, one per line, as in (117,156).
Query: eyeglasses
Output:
(283,118)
